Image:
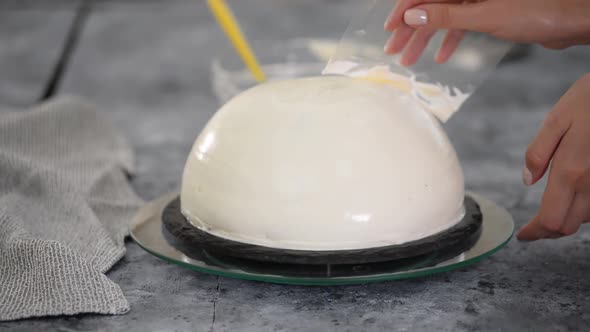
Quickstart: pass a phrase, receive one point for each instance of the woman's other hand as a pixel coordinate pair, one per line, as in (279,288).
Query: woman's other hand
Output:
(563,142)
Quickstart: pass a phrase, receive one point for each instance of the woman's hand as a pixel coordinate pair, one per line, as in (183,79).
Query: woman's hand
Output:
(563,141)
(551,23)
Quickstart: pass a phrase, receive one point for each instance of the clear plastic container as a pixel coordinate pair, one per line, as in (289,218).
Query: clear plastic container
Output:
(441,88)
(294,58)
(279,60)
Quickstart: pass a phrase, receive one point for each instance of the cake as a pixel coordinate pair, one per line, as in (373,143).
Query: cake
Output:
(323,163)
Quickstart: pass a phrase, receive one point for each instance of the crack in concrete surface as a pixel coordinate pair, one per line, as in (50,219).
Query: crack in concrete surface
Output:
(68,49)
(215,299)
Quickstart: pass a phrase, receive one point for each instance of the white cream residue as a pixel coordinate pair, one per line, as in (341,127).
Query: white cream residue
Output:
(442,101)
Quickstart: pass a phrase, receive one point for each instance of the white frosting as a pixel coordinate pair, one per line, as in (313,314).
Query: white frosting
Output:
(323,163)
(441,100)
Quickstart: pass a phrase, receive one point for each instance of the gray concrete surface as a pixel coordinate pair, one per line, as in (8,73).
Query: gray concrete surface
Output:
(146,66)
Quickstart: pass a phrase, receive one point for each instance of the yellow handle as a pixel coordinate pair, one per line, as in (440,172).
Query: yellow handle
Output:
(229,24)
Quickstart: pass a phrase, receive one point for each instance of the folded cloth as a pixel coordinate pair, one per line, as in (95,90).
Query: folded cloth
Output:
(65,203)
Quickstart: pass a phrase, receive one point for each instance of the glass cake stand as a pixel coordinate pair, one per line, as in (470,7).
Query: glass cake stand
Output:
(148,231)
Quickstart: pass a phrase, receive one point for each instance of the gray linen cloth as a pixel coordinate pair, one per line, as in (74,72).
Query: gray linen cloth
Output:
(65,203)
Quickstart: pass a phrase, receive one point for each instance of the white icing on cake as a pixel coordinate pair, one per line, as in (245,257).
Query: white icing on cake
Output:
(323,163)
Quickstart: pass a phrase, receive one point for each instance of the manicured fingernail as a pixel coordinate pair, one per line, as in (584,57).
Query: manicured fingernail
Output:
(527,176)
(416,17)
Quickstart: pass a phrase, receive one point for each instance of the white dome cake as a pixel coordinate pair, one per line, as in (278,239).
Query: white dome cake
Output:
(323,163)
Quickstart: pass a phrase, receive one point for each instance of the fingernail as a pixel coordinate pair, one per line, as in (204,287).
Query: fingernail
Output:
(527,176)
(416,17)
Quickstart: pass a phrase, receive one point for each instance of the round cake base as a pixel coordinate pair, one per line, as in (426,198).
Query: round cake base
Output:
(193,241)
(148,231)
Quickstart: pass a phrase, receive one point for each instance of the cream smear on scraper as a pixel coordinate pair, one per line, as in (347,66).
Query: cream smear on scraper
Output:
(441,100)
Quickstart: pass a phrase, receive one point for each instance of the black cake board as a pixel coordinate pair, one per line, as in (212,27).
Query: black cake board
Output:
(192,241)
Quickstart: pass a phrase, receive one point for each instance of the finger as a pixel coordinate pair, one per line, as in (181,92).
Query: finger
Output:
(577,174)
(395,19)
(476,16)
(416,46)
(541,150)
(555,204)
(449,45)
(534,231)
(399,39)
(577,215)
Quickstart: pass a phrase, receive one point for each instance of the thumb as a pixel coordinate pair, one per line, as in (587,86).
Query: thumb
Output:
(477,16)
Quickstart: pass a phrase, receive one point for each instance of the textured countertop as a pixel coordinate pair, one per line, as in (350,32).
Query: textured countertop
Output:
(146,65)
